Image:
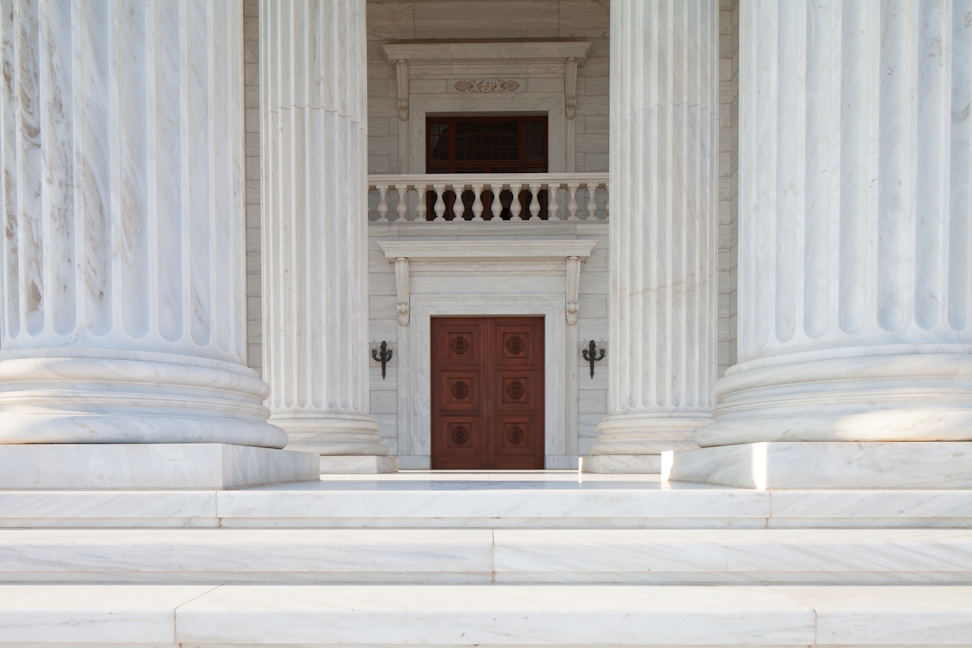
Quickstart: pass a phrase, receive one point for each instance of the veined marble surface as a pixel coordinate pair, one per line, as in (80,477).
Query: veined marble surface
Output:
(88,509)
(101,615)
(153,466)
(467,615)
(483,555)
(495,614)
(529,499)
(246,555)
(829,465)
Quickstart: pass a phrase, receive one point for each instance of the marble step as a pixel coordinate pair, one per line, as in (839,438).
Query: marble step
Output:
(633,556)
(491,615)
(458,505)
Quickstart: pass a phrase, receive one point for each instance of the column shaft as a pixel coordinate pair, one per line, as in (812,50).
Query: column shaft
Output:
(122,259)
(315,241)
(663,289)
(855,287)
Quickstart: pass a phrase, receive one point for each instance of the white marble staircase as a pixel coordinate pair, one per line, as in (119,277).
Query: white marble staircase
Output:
(463,560)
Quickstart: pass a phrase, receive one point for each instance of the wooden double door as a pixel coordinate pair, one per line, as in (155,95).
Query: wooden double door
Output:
(487,393)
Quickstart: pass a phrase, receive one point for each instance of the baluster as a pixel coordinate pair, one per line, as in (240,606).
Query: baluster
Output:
(572,204)
(421,209)
(553,209)
(402,208)
(439,203)
(591,203)
(497,207)
(607,200)
(477,205)
(382,204)
(515,203)
(458,208)
(534,202)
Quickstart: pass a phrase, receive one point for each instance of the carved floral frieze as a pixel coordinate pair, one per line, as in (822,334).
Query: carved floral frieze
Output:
(486,86)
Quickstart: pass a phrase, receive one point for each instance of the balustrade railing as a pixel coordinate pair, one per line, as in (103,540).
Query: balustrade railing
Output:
(488,197)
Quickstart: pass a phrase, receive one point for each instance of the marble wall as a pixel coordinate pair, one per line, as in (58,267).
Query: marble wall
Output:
(390,20)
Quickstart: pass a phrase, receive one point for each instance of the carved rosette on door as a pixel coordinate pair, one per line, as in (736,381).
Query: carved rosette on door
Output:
(487,397)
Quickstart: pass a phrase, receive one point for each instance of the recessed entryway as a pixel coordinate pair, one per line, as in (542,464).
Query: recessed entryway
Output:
(487,393)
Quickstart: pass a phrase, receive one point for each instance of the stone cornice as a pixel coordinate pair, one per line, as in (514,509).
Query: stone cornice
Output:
(480,51)
(486,250)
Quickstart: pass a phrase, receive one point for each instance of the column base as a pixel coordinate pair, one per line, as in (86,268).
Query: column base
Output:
(350,436)
(633,443)
(357,465)
(819,465)
(648,464)
(162,466)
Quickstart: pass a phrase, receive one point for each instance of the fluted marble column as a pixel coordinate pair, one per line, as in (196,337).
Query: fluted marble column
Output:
(122,257)
(315,240)
(855,283)
(664,182)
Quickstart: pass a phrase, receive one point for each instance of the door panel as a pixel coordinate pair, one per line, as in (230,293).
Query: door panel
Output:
(515,393)
(459,393)
(487,400)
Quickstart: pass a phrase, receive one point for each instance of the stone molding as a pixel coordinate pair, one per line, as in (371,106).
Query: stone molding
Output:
(505,68)
(428,57)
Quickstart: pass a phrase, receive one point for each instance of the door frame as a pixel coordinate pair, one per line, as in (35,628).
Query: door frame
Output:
(482,278)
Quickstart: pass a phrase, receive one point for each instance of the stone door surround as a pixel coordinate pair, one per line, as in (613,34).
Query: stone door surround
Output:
(487,277)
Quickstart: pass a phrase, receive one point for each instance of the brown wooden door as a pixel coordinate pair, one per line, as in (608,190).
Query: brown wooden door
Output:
(487,393)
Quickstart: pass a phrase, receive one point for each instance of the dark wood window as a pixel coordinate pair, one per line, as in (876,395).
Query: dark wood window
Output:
(486,144)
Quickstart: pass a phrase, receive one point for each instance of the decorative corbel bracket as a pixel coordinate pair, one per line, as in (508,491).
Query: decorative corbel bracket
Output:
(401,286)
(402,69)
(573,289)
(570,87)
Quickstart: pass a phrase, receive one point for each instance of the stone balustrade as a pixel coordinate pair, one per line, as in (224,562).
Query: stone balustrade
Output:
(541,196)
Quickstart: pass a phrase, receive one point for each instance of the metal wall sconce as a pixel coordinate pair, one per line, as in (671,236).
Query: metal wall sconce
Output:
(590,354)
(383,356)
